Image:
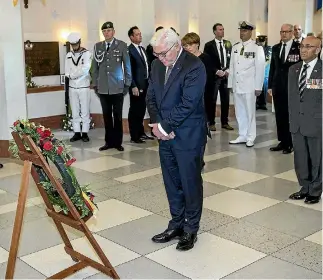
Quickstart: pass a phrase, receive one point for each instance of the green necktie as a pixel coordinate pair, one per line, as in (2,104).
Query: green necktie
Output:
(242,50)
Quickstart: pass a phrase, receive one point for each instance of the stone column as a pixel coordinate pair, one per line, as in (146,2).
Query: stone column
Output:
(13,102)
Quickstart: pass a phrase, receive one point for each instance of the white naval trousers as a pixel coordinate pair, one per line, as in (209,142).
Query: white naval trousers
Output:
(245,110)
(80,105)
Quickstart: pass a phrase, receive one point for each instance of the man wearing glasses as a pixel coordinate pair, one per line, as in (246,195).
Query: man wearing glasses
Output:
(284,55)
(305,112)
(176,106)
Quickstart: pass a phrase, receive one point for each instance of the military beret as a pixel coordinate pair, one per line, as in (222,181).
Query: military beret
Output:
(74,38)
(246,25)
(107,25)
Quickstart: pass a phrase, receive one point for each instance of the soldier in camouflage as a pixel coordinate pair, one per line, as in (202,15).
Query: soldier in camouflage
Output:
(111,78)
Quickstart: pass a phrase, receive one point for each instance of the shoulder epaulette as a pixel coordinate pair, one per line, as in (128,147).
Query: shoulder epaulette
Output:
(236,43)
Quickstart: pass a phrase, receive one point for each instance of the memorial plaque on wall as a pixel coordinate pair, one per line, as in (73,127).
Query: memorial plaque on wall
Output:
(43,58)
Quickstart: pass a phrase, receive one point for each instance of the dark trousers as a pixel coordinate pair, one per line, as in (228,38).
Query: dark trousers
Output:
(308,163)
(184,186)
(112,115)
(282,118)
(210,102)
(261,99)
(136,115)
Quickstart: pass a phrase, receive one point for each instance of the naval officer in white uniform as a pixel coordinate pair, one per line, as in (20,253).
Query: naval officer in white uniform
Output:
(77,69)
(246,77)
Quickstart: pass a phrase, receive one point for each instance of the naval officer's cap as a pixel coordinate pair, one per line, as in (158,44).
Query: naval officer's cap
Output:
(74,38)
(262,38)
(246,25)
(107,25)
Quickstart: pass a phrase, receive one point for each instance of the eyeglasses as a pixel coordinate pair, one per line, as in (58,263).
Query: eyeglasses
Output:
(285,32)
(307,47)
(163,54)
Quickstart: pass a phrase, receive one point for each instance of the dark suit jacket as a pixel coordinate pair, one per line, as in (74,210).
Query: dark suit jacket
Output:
(211,49)
(150,54)
(305,115)
(278,73)
(138,68)
(179,105)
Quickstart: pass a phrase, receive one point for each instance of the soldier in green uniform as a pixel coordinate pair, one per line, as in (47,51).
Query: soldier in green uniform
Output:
(111,78)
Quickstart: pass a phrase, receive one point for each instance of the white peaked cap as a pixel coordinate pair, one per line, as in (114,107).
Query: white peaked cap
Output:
(74,37)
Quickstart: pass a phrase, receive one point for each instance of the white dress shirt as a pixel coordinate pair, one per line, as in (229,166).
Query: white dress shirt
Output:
(309,69)
(143,53)
(287,48)
(159,126)
(217,42)
(106,43)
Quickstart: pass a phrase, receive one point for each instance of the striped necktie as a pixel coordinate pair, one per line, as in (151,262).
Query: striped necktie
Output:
(302,81)
(169,70)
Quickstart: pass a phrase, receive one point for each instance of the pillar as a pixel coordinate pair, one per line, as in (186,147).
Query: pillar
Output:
(288,11)
(13,102)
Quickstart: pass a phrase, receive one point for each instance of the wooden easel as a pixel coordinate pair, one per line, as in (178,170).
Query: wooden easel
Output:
(73,219)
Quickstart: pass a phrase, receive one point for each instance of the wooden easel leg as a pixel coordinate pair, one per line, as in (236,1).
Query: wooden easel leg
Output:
(18,220)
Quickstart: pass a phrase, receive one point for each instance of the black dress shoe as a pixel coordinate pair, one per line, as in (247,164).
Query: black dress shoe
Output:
(187,241)
(167,235)
(298,196)
(1,165)
(287,151)
(279,147)
(105,147)
(146,137)
(139,141)
(85,137)
(312,199)
(120,148)
(77,136)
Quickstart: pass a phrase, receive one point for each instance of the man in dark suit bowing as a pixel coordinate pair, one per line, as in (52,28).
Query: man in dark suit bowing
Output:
(138,89)
(176,105)
(284,55)
(220,52)
(305,114)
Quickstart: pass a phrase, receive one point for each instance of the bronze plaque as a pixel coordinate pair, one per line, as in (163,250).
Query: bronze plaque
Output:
(43,58)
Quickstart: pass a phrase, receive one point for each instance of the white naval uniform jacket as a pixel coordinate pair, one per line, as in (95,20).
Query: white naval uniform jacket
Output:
(77,68)
(247,71)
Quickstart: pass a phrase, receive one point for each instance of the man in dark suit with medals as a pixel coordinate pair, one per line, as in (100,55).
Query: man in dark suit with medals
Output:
(220,52)
(284,55)
(138,89)
(305,114)
(175,101)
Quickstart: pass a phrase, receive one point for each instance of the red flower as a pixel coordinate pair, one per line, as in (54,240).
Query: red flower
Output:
(59,150)
(39,130)
(70,162)
(46,133)
(16,123)
(48,146)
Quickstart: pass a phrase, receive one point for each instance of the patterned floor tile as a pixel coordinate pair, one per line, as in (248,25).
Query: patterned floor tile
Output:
(10,169)
(33,240)
(114,212)
(303,253)
(153,200)
(112,152)
(237,203)
(316,237)
(231,177)
(51,260)
(272,187)
(288,175)
(136,235)
(205,261)
(142,268)
(219,155)
(265,144)
(101,164)
(22,271)
(4,254)
(253,236)
(144,157)
(11,185)
(83,154)
(316,206)
(122,171)
(288,218)
(272,268)
(139,175)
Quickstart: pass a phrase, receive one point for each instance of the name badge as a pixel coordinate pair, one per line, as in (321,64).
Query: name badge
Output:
(314,83)
(293,58)
(249,54)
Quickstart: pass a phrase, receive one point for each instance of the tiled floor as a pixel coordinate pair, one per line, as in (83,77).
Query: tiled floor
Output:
(249,227)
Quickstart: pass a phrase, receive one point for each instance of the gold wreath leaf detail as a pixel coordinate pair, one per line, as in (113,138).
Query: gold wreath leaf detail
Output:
(14,2)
